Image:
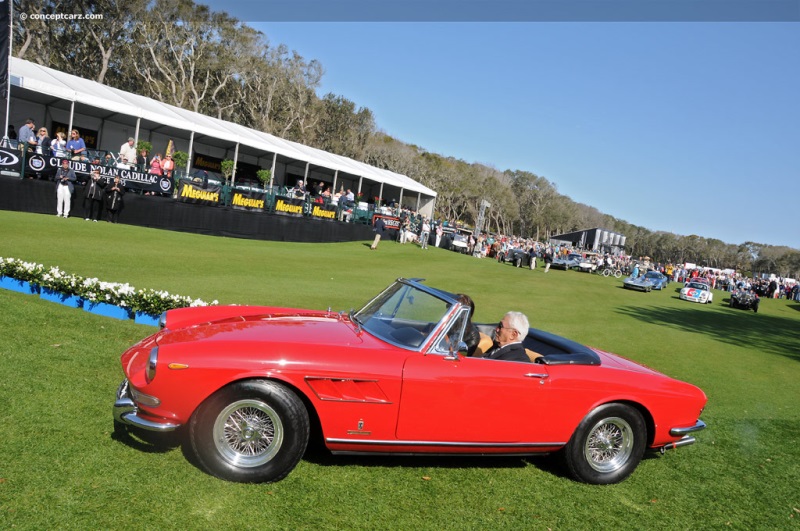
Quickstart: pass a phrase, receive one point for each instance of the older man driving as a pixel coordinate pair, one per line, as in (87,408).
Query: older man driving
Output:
(508,337)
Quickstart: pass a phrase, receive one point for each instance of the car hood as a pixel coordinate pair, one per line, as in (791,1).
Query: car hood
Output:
(306,327)
(638,281)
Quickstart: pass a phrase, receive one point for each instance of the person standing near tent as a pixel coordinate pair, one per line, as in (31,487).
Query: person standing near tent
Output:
(168,166)
(43,142)
(65,176)
(380,228)
(425,234)
(127,153)
(141,162)
(27,136)
(76,146)
(93,196)
(155,165)
(114,200)
(58,145)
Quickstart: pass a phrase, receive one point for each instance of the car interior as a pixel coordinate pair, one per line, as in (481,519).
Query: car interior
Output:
(543,347)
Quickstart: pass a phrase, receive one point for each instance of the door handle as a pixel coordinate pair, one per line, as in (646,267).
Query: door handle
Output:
(536,375)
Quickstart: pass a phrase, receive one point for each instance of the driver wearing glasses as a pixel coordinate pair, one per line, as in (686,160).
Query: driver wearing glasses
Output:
(508,336)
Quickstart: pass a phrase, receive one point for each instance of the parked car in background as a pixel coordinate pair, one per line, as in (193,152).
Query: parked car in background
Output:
(745,299)
(247,383)
(658,279)
(456,239)
(588,263)
(639,283)
(697,292)
(571,261)
(518,257)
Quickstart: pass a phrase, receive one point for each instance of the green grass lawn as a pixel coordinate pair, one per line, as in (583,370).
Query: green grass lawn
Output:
(60,467)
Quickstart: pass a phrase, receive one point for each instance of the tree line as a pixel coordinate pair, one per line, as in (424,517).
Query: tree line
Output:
(184,54)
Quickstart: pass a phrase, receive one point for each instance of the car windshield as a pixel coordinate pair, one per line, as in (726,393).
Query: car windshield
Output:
(697,285)
(574,257)
(403,315)
(653,274)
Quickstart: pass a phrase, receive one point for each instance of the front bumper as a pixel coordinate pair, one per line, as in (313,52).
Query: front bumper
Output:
(636,287)
(683,432)
(692,299)
(127,412)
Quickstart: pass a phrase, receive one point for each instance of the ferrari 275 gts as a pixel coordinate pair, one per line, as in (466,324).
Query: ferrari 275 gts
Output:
(245,384)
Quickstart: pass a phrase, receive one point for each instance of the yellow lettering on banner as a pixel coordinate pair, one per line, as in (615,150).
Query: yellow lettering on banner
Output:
(194,193)
(282,206)
(320,213)
(242,201)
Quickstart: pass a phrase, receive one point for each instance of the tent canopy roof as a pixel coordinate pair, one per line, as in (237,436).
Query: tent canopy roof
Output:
(67,87)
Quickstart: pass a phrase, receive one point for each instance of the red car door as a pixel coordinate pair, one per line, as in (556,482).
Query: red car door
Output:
(472,400)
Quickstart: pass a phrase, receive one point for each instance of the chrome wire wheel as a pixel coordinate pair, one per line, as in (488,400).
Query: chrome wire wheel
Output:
(609,445)
(248,433)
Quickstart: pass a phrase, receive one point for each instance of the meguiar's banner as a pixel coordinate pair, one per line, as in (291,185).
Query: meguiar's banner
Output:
(189,192)
(249,200)
(289,206)
(323,211)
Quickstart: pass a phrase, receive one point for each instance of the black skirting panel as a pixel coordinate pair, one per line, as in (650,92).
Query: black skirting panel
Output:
(26,195)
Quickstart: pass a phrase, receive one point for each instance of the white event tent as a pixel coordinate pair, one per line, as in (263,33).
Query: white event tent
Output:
(53,97)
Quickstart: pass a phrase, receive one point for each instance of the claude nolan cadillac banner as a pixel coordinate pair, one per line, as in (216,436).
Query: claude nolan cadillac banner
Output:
(189,192)
(42,167)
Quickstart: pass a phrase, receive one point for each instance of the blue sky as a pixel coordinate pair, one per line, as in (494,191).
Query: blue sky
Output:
(691,128)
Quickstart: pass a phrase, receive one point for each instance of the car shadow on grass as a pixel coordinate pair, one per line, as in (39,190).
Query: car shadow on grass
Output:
(147,442)
(766,333)
(317,454)
(324,458)
(548,463)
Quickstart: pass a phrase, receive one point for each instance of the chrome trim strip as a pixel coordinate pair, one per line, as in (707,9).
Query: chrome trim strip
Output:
(443,443)
(679,432)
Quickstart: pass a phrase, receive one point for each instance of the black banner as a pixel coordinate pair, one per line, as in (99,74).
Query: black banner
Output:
(244,171)
(391,222)
(289,206)
(5,32)
(188,192)
(10,162)
(327,212)
(41,166)
(249,200)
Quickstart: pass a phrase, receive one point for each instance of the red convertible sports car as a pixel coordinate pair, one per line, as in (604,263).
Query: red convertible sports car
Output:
(246,383)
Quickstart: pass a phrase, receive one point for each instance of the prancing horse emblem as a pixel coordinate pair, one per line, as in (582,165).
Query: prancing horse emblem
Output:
(360,430)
